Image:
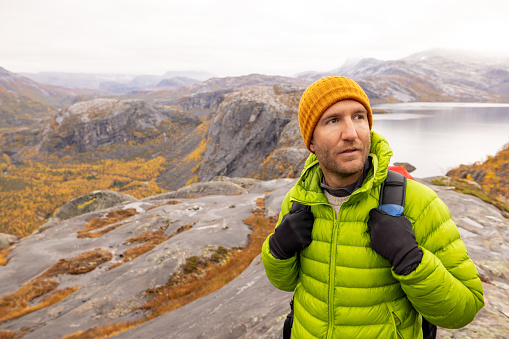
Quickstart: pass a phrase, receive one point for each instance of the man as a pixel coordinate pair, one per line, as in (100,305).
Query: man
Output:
(358,272)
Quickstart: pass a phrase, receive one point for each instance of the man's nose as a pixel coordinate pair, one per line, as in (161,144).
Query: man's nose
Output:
(349,132)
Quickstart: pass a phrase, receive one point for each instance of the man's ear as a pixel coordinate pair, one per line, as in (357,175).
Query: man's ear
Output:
(311,146)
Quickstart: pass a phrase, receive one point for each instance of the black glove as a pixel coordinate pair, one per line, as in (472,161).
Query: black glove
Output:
(293,233)
(392,237)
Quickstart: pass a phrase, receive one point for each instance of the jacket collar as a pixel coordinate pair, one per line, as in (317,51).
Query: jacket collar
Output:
(308,189)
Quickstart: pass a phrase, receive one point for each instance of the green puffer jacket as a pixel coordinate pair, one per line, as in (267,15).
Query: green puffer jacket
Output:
(344,289)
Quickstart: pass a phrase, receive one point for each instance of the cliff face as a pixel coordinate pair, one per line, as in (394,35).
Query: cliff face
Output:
(202,103)
(246,128)
(89,125)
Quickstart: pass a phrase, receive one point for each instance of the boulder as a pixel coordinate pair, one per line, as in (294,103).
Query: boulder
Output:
(410,168)
(6,240)
(201,189)
(91,202)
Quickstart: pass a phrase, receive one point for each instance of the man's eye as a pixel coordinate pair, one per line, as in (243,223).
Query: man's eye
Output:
(332,121)
(359,116)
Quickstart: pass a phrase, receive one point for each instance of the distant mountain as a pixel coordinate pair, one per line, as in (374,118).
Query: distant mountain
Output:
(117,83)
(214,84)
(25,102)
(228,84)
(19,85)
(201,76)
(78,80)
(176,82)
(428,76)
(147,83)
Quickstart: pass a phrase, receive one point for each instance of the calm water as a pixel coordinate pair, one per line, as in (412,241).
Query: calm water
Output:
(435,137)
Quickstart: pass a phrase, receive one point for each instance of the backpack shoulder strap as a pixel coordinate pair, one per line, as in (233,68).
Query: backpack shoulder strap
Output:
(392,193)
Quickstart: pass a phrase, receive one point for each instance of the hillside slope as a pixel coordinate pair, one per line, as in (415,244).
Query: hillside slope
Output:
(25,102)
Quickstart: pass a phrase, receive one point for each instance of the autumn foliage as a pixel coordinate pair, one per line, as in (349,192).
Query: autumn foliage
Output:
(3,256)
(492,176)
(113,217)
(19,303)
(30,192)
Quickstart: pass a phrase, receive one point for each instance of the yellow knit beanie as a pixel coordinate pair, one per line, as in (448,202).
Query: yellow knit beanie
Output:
(321,95)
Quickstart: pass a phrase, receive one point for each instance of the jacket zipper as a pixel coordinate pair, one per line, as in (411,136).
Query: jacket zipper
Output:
(332,270)
(393,318)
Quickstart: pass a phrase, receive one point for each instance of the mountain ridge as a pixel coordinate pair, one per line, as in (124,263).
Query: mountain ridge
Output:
(428,76)
(96,81)
(26,102)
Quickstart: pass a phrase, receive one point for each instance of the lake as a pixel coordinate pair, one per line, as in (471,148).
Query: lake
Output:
(436,137)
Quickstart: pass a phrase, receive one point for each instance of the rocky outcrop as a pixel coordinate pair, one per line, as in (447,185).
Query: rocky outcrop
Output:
(200,189)
(288,158)
(284,162)
(250,133)
(409,167)
(251,80)
(492,175)
(217,186)
(91,202)
(202,103)
(89,125)
(245,130)
(176,82)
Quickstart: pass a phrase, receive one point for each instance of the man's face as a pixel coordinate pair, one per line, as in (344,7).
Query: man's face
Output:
(341,141)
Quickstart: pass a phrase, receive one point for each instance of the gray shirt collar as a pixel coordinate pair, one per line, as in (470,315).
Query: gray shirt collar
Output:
(348,190)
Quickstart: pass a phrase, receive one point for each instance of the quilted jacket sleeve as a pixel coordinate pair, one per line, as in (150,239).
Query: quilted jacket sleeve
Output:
(283,274)
(445,288)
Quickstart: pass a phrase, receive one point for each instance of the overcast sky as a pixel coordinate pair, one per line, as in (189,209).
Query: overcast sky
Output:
(236,37)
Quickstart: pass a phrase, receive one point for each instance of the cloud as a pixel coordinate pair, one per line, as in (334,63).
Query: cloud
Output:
(233,37)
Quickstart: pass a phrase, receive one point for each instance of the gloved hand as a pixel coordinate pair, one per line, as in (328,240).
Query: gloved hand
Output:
(293,233)
(393,238)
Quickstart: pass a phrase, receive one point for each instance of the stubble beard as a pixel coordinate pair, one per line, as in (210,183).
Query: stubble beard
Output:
(333,166)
